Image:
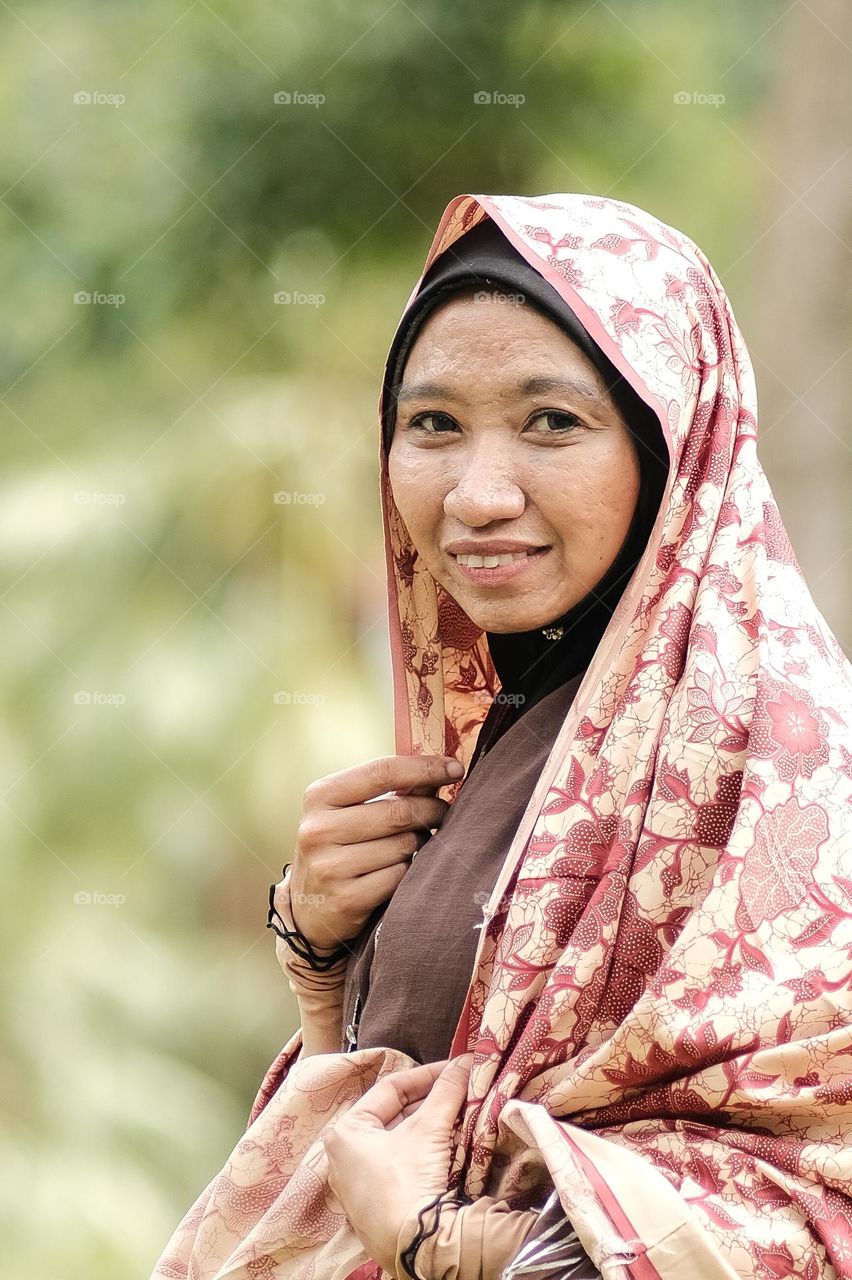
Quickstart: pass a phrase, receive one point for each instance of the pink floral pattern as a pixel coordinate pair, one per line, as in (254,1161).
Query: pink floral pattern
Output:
(788,728)
(780,870)
(661,1003)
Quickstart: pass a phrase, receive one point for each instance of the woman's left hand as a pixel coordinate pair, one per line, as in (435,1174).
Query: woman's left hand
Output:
(392,1148)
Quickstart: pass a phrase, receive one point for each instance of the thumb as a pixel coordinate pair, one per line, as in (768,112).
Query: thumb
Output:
(448,1093)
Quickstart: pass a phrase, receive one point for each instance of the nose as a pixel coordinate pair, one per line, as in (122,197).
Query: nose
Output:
(486,489)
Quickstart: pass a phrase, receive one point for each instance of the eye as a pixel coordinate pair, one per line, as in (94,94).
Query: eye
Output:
(563,422)
(440,419)
(558,422)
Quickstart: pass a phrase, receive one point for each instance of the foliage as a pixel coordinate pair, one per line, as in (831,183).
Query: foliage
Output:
(158,597)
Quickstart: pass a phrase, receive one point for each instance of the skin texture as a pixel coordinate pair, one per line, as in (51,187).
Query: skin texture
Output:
(485,460)
(352,848)
(391,1149)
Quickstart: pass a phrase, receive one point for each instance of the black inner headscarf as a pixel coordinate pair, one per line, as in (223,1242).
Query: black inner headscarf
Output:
(533,663)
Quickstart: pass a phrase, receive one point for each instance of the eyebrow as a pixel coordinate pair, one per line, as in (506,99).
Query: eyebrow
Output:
(542,384)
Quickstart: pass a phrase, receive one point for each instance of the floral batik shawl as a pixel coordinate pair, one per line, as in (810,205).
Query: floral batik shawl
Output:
(661,1001)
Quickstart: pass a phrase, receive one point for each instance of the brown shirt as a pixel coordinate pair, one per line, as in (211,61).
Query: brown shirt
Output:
(407,992)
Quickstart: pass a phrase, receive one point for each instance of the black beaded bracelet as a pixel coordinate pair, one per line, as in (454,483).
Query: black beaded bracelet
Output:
(408,1255)
(297,942)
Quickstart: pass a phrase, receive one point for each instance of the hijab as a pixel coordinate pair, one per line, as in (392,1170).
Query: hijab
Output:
(660,1006)
(532,663)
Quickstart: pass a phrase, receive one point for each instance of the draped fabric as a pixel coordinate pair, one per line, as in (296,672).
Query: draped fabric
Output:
(660,1002)
(406,988)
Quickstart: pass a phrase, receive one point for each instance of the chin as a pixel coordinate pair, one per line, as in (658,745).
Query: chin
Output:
(503,628)
(507,615)
(504,621)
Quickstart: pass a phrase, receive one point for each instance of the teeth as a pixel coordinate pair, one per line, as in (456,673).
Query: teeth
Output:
(491,562)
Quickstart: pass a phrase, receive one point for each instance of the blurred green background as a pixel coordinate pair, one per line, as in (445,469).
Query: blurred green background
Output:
(183,652)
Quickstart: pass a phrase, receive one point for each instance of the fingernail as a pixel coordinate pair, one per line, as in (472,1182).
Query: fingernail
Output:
(455,768)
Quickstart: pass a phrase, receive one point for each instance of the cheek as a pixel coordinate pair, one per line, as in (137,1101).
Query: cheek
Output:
(591,498)
(417,497)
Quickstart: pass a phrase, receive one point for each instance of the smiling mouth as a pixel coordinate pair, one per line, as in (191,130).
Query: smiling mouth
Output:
(491,562)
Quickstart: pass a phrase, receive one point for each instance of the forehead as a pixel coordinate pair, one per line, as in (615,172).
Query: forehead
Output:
(512,342)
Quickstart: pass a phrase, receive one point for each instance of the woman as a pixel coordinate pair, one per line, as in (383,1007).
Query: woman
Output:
(657,1004)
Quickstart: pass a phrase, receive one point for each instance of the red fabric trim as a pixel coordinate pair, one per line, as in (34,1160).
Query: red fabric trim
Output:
(642,1268)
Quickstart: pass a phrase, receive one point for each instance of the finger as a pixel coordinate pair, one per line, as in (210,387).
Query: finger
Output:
(370,856)
(448,1093)
(387,773)
(389,1097)
(419,791)
(383,817)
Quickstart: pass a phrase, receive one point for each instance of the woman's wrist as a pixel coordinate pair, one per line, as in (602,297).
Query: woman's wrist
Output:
(312,989)
(305,978)
(460,1241)
(320,997)
(301,953)
(321,1028)
(319,992)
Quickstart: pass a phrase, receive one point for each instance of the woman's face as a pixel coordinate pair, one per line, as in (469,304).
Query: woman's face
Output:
(507,443)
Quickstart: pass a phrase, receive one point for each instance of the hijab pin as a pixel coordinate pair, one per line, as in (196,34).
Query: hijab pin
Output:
(553,633)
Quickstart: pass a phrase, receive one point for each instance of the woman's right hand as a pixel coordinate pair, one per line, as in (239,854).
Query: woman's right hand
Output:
(354,842)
